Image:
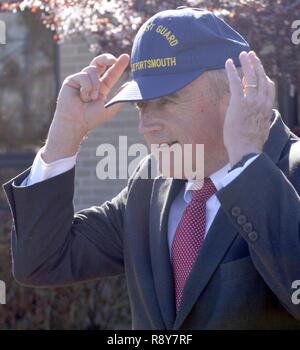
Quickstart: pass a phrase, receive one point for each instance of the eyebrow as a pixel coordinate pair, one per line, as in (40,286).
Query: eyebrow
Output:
(174,95)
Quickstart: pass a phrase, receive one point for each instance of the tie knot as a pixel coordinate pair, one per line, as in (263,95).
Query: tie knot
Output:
(205,192)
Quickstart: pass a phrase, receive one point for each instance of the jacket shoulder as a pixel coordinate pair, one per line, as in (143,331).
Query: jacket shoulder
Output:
(289,162)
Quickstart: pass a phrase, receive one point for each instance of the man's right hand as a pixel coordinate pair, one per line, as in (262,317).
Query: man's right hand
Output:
(80,105)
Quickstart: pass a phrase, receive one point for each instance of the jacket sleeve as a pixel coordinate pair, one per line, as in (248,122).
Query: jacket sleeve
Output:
(264,206)
(50,245)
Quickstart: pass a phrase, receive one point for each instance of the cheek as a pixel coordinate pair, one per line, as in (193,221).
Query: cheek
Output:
(183,131)
(193,124)
(183,119)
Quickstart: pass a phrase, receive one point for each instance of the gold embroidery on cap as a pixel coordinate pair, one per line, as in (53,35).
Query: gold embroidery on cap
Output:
(164,31)
(154,63)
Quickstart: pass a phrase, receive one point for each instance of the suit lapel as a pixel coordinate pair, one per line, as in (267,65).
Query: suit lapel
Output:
(218,240)
(163,194)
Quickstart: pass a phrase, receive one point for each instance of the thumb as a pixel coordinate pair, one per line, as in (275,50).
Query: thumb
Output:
(110,112)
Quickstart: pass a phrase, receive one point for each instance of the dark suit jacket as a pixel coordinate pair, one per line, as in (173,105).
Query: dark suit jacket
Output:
(243,274)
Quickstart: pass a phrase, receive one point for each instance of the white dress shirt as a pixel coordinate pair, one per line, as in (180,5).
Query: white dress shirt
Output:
(220,179)
(41,171)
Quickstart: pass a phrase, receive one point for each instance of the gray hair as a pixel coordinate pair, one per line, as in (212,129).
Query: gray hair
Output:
(219,81)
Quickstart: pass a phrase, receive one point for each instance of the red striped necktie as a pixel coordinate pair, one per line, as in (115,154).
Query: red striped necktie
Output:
(189,236)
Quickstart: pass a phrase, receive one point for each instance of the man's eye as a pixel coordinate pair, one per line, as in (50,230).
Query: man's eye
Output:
(163,101)
(160,102)
(138,104)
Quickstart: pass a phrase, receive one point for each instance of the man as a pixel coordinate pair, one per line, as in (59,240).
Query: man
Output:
(224,256)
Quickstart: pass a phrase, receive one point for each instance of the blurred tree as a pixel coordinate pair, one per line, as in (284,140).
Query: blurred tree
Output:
(27,81)
(110,25)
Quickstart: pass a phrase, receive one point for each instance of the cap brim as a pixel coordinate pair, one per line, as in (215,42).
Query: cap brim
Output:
(151,87)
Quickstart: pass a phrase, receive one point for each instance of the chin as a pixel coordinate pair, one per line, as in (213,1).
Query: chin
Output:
(178,163)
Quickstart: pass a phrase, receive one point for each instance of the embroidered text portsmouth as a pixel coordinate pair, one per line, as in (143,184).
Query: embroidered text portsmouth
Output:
(154,63)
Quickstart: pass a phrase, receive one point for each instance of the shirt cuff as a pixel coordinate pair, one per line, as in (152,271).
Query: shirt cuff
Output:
(229,177)
(41,171)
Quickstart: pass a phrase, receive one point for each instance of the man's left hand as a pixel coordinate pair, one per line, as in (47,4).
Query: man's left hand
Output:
(248,117)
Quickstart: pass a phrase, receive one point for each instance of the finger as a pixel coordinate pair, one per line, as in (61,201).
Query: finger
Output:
(270,97)
(235,83)
(260,74)
(102,62)
(249,75)
(113,74)
(271,90)
(122,87)
(82,82)
(93,75)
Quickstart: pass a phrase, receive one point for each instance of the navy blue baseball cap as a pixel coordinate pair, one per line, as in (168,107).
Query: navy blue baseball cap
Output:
(173,48)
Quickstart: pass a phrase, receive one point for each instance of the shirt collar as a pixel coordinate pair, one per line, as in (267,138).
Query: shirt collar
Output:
(216,178)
